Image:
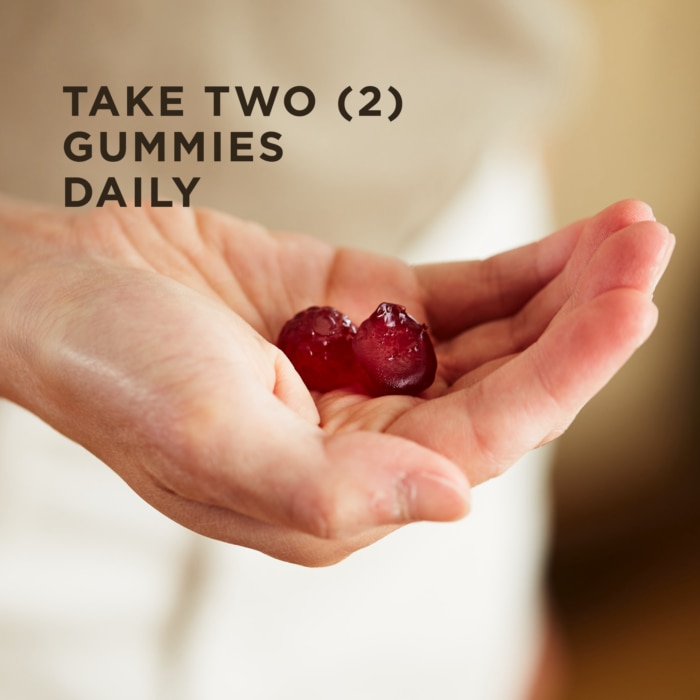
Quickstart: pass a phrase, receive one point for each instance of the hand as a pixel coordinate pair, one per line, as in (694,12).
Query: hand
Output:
(147,336)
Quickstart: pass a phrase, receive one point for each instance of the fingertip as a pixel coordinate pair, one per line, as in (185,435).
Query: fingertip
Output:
(649,322)
(635,257)
(626,212)
(640,210)
(663,259)
(382,480)
(434,496)
(428,486)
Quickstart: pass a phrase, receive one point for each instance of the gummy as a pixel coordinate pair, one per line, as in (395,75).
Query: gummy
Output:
(318,341)
(395,352)
(390,353)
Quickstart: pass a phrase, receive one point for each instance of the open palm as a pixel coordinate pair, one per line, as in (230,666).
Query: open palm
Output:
(147,335)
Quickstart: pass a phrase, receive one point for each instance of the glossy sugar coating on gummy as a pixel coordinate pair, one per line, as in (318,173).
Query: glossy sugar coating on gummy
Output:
(395,352)
(318,341)
(390,353)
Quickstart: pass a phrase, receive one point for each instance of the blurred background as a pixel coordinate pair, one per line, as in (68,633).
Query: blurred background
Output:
(625,571)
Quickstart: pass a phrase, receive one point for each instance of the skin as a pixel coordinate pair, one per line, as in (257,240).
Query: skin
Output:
(147,335)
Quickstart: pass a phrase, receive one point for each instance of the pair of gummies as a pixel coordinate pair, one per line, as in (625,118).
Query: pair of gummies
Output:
(390,352)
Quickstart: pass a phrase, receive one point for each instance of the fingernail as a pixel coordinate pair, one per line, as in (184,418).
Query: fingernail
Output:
(663,260)
(430,496)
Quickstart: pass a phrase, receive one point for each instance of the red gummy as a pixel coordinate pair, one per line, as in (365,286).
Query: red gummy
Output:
(390,353)
(318,341)
(395,352)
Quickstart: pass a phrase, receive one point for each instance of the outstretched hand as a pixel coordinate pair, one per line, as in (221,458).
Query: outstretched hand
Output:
(147,335)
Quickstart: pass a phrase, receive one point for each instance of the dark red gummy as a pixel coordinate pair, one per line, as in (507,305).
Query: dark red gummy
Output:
(318,341)
(395,352)
(390,353)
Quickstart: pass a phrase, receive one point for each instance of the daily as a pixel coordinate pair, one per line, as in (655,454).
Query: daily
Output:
(79,192)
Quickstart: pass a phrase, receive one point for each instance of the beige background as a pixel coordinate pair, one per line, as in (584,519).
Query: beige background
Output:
(627,484)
